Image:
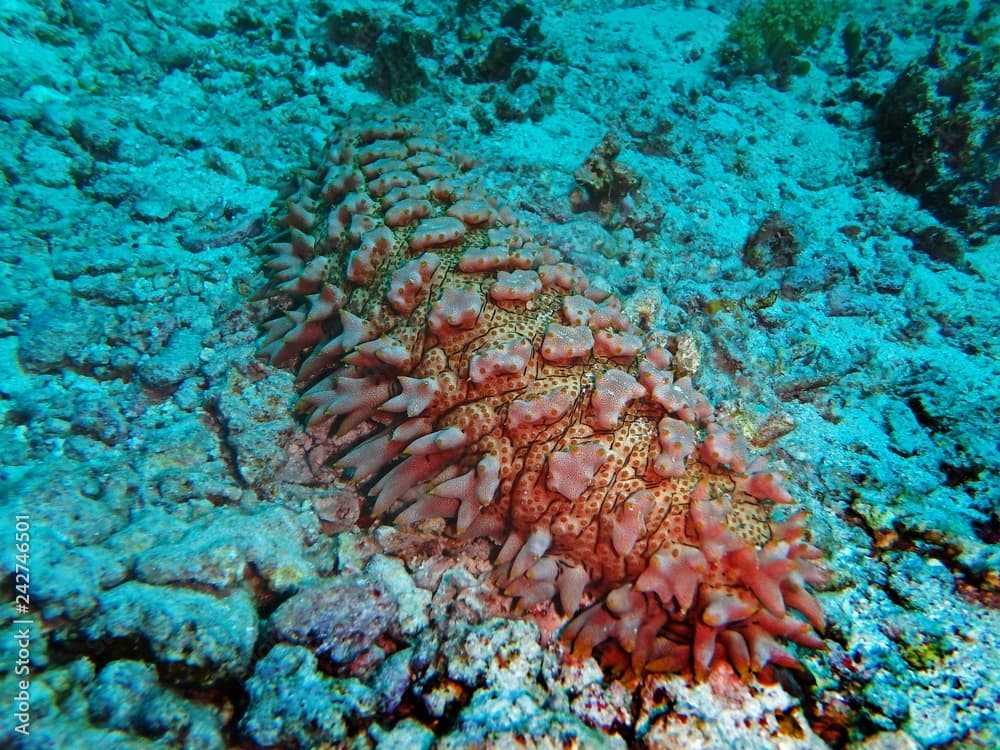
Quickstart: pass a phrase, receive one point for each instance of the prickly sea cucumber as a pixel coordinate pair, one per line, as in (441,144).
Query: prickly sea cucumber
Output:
(468,373)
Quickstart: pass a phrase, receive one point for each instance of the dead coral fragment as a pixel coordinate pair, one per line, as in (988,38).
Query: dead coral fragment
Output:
(613,190)
(773,245)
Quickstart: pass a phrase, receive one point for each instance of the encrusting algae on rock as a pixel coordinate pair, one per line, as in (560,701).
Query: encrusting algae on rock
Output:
(463,371)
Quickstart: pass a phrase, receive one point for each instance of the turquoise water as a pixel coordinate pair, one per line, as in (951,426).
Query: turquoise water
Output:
(804,196)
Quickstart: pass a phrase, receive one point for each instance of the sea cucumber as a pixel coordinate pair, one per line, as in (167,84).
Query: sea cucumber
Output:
(465,371)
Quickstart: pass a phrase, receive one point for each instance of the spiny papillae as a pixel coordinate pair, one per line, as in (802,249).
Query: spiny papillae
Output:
(469,374)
